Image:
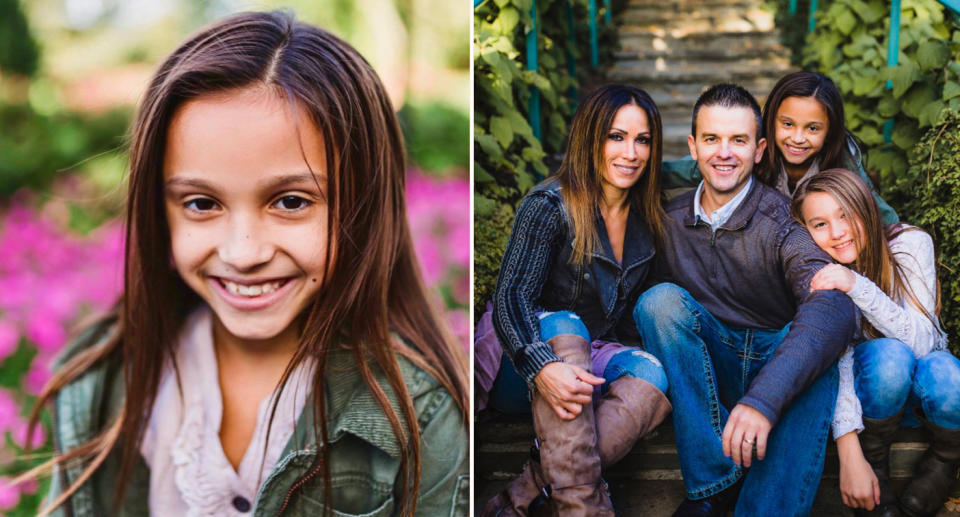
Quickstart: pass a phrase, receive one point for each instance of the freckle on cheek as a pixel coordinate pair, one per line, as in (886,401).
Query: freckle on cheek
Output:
(314,280)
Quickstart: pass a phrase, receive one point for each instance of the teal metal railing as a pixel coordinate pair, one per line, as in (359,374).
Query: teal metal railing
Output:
(531,46)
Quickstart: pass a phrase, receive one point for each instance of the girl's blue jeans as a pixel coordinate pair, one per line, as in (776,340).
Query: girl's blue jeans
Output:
(510,394)
(709,366)
(888,378)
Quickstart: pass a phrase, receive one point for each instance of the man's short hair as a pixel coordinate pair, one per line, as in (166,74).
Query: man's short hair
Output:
(728,96)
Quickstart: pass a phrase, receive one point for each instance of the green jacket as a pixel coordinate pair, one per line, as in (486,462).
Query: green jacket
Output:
(683,173)
(364,454)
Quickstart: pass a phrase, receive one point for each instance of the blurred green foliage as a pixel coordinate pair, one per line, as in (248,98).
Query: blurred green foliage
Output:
(18,49)
(36,148)
(437,135)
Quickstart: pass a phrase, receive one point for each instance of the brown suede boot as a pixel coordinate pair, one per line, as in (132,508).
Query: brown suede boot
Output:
(520,497)
(631,408)
(568,448)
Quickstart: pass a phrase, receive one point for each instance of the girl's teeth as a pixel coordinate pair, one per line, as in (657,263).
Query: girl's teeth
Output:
(251,290)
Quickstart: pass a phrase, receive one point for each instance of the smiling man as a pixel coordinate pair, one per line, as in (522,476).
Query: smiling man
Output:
(749,352)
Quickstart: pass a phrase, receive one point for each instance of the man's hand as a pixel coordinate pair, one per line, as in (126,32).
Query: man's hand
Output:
(746,428)
(566,388)
(833,276)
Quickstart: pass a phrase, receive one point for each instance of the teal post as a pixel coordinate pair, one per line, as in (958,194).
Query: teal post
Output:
(893,57)
(594,60)
(607,17)
(793,7)
(953,5)
(532,65)
(813,16)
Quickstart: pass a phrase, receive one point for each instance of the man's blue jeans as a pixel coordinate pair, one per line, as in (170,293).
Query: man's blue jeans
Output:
(709,367)
(888,378)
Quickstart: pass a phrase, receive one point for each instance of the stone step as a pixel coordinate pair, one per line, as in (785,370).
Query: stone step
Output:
(677,20)
(638,71)
(648,480)
(659,498)
(645,45)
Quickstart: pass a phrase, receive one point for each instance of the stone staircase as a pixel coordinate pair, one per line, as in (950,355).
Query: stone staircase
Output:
(675,49)
(647,481)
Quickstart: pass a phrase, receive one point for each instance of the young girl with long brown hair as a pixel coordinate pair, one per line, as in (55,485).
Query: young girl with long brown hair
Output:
(903,371)
(274,349)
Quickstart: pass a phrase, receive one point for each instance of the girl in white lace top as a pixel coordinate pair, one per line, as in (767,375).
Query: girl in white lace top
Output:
(903,367)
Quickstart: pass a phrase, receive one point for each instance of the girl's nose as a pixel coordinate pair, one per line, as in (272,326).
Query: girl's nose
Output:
(798,135)
(631,151)
(245,247)
(839,229)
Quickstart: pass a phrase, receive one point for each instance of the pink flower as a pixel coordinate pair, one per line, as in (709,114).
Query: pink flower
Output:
(37,376)
(460,325)
(9,494)
(9,338)
(46,332)
(9,411)
(19,433)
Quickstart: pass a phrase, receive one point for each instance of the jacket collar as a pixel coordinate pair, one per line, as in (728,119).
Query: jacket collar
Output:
(740,217)
(351,407)
(637,246)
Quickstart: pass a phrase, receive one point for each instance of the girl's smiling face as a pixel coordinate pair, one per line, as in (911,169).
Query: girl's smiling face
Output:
(830,228)
(246,216)
(801,129)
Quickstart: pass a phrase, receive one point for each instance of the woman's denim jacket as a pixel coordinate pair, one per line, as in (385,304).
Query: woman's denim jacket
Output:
(364,455)
(536,276)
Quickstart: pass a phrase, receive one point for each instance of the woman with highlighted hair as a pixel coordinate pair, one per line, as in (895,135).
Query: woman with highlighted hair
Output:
(579,255)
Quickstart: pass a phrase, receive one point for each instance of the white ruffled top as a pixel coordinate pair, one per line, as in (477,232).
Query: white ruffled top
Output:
(898,319)
(189,472)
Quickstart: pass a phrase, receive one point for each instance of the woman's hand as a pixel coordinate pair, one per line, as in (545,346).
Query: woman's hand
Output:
(859,487)
(566,388)
(833,276)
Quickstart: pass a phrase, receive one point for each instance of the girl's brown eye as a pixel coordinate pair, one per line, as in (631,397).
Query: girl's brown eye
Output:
(292,203)
(200,204)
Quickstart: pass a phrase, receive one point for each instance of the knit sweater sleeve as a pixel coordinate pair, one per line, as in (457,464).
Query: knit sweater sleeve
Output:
(848,415)
(537,231)
(902,320)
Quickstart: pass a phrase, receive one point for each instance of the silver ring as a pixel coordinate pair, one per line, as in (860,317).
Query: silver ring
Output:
(749,442)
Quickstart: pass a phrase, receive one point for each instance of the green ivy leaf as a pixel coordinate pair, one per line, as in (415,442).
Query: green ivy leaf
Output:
(932,55)
(489,145)
(903,77)
(501,130)
(502,3)
(507,20)
(533,154)
(951,89)
(869,135)
(930,115)
(888,106)
(905,134)
(845,22)
(480,175)
(918,98)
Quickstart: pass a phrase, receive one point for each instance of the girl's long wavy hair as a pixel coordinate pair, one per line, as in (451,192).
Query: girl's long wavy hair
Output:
(372,283)
(580,173)
(835,153)
(875,261)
